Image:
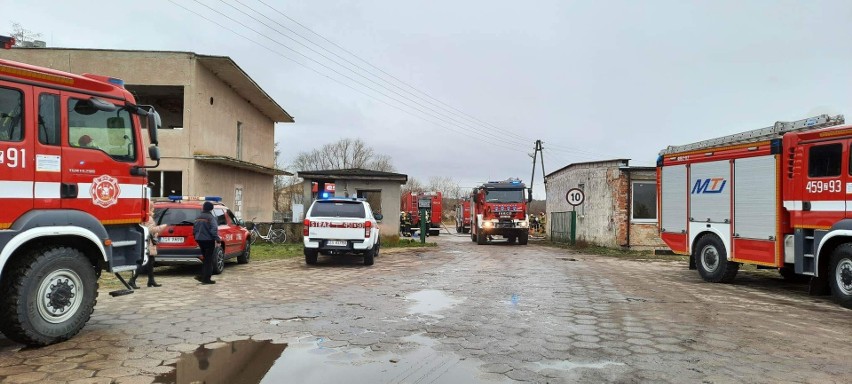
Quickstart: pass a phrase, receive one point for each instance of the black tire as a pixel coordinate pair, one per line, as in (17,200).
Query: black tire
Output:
(311,256)
(789,275)
(465,230)
(370,255)
(512,239)
(524,238)
(219,265)
(378,247)
(840,277)
(26,319)
(472,236)
(711,259)
(245,257)
(481,239)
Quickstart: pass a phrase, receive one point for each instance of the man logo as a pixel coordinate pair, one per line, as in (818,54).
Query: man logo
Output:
(714,185)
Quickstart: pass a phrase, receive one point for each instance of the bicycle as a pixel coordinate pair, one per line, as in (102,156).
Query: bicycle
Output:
(275,236)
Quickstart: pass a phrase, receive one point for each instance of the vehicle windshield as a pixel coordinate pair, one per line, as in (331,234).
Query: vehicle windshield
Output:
(109,132)
(338,209)
(504,195)
(176,216)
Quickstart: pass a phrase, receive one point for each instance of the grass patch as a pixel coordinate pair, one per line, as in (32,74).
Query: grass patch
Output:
(584,248)
(398,242)
(267,251)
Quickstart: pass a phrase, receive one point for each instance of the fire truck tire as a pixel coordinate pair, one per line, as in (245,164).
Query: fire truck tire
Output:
(512,239)
(712,260)
(481,239)
(245,257)
(311,256)
(841,275)
(48,296)
(472,236)
(524,238)
(219,254)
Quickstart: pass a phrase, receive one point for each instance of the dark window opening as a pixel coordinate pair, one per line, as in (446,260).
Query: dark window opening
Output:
(165,183)
(220,216)
(374,198)
(644,201)
(166,99)
(176,216)
(109,132)
(824,160)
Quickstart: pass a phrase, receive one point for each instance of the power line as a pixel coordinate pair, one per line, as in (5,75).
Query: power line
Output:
(472,118)
(442,118)
(333,79)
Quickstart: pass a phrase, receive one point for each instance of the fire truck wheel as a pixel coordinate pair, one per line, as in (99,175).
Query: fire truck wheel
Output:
(220,261)
(311,256)
(524,238)
(472,236)
(48,296)
(481,239)
(712,260)
(370,255)
(841,275)
(512,239)
(245,257)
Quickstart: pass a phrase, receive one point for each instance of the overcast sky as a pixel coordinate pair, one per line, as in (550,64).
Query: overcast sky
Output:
(593,79)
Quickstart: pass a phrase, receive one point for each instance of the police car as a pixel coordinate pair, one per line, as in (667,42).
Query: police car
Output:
(176,244)
(341,225)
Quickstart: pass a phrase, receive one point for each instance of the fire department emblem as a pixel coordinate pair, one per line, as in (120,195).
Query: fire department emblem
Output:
(105,191)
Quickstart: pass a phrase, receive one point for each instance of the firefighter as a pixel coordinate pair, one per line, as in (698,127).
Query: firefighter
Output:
(206,233)
(404,224)
(542,222)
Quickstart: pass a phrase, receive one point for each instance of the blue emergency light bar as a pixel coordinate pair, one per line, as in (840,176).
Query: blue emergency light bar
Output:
(118,82)
(194,198)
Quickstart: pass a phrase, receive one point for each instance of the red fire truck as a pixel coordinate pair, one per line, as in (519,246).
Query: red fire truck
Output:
(500,208)
(409,206)
(776,197)
(463,216)
(73,187)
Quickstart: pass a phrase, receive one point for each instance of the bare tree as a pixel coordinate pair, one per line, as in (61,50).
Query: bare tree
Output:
(342,154)
(413,185)
(23,35)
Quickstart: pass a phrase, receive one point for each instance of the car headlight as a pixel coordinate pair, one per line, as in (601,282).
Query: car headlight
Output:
(523,224)
(487,224)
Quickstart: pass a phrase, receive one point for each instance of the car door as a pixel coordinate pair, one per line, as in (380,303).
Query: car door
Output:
(225,231)
(238,231)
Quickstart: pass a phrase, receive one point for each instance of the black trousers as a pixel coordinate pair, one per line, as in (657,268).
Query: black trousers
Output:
(207,248)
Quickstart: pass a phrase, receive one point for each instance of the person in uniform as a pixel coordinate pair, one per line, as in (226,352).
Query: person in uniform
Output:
(206,232)
(153,232)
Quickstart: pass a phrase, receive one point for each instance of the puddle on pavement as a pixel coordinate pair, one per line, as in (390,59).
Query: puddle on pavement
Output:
(569,365)
(431,301)
(307,360)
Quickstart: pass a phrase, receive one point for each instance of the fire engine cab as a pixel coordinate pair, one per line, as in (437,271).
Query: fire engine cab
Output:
(73,187)
(776,197)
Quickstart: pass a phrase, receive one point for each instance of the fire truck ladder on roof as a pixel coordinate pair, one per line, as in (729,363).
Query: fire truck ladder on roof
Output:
(757,135)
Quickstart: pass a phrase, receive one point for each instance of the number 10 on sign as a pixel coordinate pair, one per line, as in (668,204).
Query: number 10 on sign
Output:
(575,196)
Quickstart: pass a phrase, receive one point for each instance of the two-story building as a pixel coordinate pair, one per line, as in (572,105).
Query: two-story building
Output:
(218,131)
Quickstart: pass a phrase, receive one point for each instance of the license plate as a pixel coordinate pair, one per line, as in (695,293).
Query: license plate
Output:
(337,243)
(171,240)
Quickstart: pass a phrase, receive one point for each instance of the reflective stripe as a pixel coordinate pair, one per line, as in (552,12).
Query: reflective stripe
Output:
(16,189)
(127,191)
(45,190)
(819,206)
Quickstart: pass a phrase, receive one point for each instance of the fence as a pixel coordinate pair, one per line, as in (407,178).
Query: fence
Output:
(293,230)
(563,227)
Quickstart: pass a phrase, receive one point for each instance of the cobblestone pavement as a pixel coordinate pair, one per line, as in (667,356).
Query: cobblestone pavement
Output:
(513,313)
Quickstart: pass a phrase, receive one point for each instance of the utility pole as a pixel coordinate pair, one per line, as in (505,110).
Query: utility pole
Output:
(539,151)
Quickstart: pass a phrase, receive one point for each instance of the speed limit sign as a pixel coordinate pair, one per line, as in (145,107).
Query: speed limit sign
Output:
(575,196)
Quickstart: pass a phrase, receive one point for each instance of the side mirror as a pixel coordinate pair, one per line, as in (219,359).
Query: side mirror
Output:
(154,123)
(154,153)
(378,216)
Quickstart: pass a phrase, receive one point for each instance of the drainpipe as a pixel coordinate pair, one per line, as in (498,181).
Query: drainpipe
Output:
(629,203)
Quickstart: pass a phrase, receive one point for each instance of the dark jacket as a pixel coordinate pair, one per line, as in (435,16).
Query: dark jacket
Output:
(205,227)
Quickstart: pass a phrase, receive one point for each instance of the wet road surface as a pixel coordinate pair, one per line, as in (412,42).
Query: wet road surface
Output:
(451,314)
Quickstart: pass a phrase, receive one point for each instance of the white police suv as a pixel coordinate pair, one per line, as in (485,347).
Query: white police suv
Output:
(341,225)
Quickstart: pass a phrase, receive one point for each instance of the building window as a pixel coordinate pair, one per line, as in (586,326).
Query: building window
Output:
(166,99)
(165,183)
(824,160)
(644,200)
(239,140)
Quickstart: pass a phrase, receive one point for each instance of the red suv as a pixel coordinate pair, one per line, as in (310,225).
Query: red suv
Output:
(176,245)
